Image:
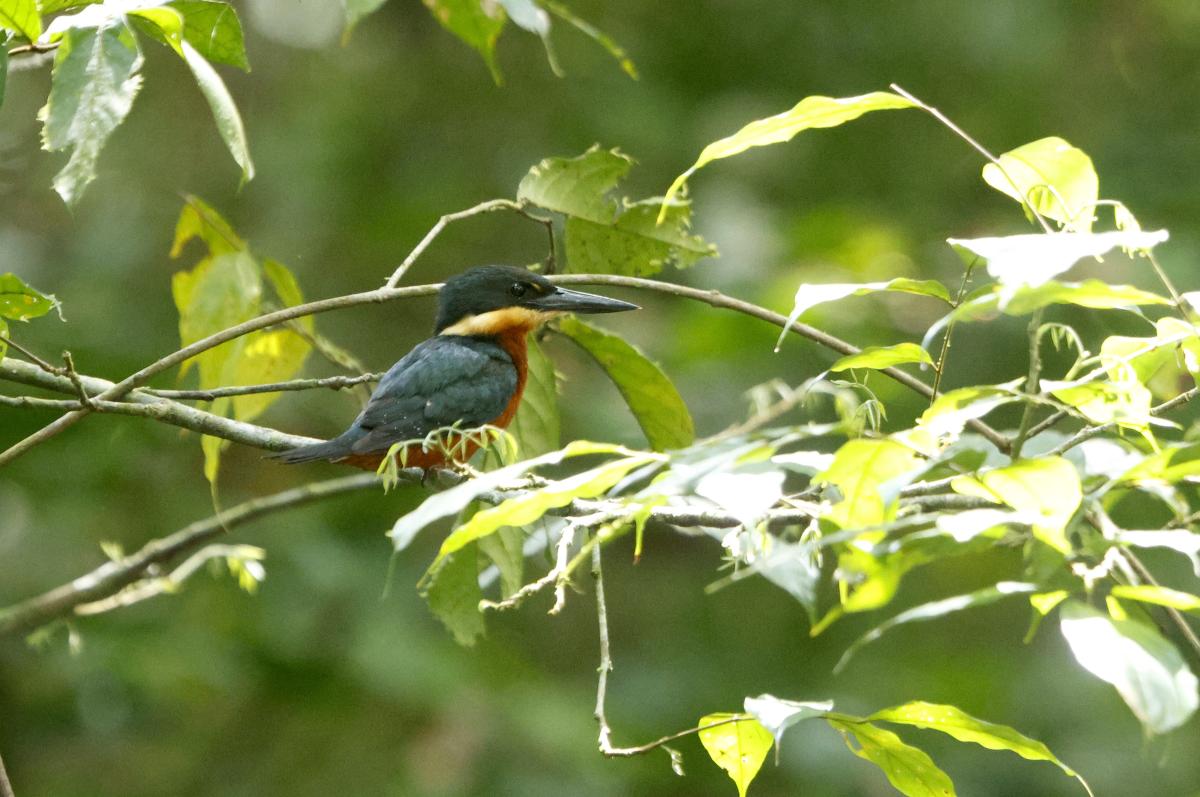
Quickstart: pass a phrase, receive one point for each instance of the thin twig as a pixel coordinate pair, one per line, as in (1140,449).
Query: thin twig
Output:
(1180,621)
(1032,382)
(940,369)
(85,400)
(555,575)
(606,665)
(1089,432)
(333,382)
(34,47)
(45,366)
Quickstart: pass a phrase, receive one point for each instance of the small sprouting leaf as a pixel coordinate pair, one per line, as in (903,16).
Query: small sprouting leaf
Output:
(861,471)
(525,509)
(21,16)
(739,746)
(1051,176)
(1047,488)
(935,609)
(475,23)
(212,27)
(810,113)
(883,357)
(95,79)
(229,122)
(536,425)
(1159,596)
(1144,667)
(449,502)
(1035,258)
(650,395)
(777,715)
(810,295)
(453,594)
(957,723)
(21,302)
(908,768)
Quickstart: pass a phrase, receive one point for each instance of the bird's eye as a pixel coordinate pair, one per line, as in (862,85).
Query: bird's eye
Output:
(517,290)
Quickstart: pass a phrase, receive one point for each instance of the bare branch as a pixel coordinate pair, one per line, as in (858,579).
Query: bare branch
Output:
(333,382)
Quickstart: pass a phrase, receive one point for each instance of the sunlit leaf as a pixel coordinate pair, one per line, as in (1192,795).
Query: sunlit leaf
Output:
(955,722)
(476,23)
(525,509)
(1054,178)
(883,357)
(453,594)
(1124,402)
(810,295)
(1048,488)
(1146,669)
(212,27)
(1159,596)
(95,79)
(650,395)
(777,715)
(21,302)
(868,475)
(229,122)
(746,496)
(949,413)
(810,113)
(739,746)
(1033,259)
(935,609)
(528,15)
(1183,541)
(21,16)
(1170,465)
(908,768)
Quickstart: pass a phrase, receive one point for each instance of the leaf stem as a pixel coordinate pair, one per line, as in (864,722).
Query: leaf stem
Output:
(1031,382)
(940,369)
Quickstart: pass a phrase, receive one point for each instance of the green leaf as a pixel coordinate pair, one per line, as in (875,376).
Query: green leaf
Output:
(162,22)
(595,34)
(21,302)
(1170,465)
(527,508)
(4,332)
(506,549)
(949,412)
(739,746)
(634,244)
(650,395)
(1047,489)
(476,23)
(3,66)
(449,502)
(955,722)
(218,293)
(860,470)
(1051,176)
(528,15)
(777,715)
(577,186)
(883,357)
(53,6)
(199,220)
(21,16)
(213,29)
(536,425)
(1180,540)
(1124,402)
(1146,669)
(229,123)
(908,768)
(933,610)
(809,113)
(811,295)
(1159,596)
(453,594)
(354,11)
(1033,259)
(95,79)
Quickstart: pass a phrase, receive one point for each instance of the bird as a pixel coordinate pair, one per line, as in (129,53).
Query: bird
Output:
(470,373)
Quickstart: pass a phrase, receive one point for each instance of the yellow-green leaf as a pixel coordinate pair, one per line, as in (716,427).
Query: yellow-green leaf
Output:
(908,768)
(739,746)
(810,295)
(810,113)
(1051,176)
(859,470)
(21,16)
(883,357)
(1035,258)
(1047,489)
(225,112)
(476,23)
(21,302)
(213,28)
(1159,596)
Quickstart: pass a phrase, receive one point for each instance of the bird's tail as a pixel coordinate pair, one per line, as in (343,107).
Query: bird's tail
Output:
(331,450)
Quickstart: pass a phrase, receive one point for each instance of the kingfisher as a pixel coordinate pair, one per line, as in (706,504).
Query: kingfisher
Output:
(471,373)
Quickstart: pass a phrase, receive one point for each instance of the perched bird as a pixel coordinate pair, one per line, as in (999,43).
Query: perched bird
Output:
(470,373)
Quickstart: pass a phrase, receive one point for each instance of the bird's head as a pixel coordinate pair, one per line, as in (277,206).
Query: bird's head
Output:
(490,300)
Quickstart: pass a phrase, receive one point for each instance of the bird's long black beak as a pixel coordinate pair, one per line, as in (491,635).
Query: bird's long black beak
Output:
(568,301)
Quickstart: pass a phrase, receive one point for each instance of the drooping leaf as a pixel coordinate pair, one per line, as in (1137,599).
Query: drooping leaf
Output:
(229,122)
(1159,596)
(1145,668)
(476,23)
(1033,259)
(883,357)
(595,34)
(1051,176)
(955,722)
(449,502)
(739,746)
(526,508)
(21,16)
(810,295)
(453,595)
(218,293)
(95,79)
(868,475)
(777,715)
(213,29)
(528,15)
(935,609)
(810,113)
(1047,488)
(908,768)
(536,425)
(21,302)
(650,395)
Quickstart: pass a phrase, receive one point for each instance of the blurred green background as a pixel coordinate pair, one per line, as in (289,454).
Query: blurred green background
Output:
(318,685)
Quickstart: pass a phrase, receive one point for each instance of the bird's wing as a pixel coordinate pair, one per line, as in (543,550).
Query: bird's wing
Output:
(441,382)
